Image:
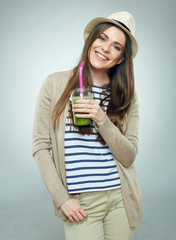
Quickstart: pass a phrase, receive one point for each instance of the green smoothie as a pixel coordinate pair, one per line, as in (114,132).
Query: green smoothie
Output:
(80,121)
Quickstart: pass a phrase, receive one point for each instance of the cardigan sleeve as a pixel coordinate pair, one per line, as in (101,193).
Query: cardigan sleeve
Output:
(123,147)
(42,146)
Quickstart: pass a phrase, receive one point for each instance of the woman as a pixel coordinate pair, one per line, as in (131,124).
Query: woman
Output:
(89,171)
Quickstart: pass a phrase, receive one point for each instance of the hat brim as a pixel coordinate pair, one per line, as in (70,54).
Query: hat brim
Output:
(91,25)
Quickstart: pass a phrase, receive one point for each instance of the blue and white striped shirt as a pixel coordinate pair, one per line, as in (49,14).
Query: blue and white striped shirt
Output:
(89,165)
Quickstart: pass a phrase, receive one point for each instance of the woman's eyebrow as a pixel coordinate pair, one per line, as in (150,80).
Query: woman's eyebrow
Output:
(114,41)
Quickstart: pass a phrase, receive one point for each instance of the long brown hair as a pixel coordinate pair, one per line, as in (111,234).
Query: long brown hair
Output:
(121,84)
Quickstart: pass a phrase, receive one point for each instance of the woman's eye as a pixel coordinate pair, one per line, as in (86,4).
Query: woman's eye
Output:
(116,47)
(101,38)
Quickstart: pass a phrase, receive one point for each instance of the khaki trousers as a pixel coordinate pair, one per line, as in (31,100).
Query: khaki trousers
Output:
(107,219)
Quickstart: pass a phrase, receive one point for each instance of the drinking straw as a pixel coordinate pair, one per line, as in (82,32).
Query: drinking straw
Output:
(81,79)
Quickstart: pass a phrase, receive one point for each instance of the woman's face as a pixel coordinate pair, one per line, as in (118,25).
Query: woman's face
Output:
(108,49)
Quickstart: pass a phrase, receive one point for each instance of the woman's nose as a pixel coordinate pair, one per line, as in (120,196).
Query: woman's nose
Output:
(106,47)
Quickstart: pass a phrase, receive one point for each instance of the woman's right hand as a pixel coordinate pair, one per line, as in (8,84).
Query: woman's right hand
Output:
(73,210)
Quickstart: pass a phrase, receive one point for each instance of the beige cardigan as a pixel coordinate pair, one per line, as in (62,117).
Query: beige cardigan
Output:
(48,148)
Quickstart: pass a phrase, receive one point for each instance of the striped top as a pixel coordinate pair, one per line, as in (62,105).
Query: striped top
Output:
(89,165)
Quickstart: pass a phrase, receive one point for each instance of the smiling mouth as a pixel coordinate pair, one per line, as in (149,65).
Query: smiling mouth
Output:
(101,56)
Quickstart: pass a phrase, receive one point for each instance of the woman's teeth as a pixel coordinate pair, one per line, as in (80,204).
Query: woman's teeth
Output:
(102,57)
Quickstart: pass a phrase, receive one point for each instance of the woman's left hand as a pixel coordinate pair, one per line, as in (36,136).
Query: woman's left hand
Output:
(93,110)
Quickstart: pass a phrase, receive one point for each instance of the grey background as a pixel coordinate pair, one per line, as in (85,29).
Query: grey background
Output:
(44,36)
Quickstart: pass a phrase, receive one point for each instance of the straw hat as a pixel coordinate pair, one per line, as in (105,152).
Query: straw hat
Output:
(123,20)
